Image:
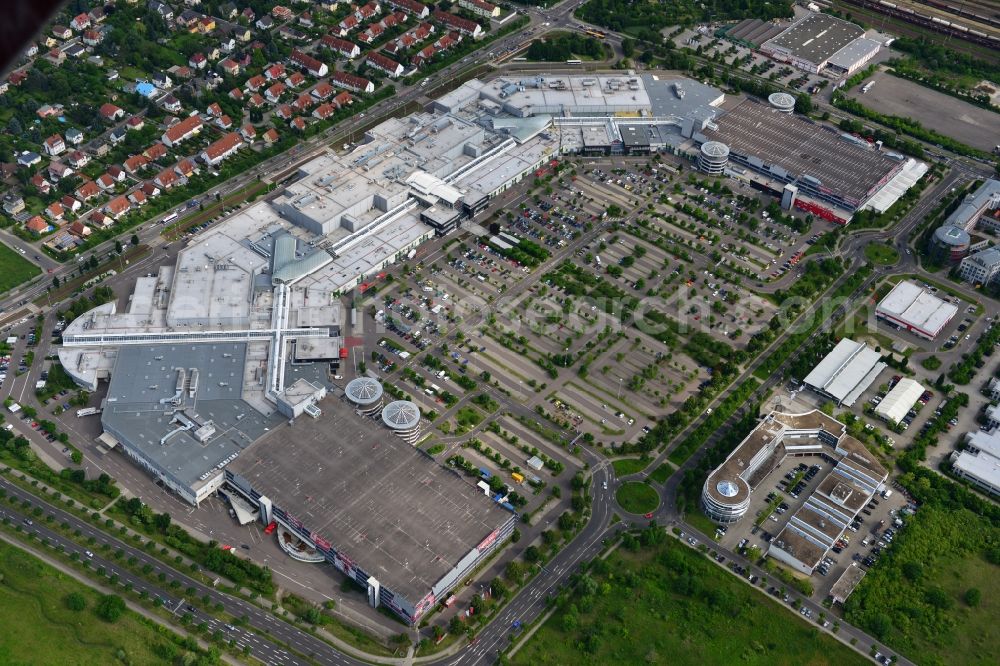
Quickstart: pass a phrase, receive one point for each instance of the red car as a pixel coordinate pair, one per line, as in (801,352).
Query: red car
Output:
(648,515)
(270,528)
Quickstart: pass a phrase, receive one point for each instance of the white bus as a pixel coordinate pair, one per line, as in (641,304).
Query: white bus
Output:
(169,218)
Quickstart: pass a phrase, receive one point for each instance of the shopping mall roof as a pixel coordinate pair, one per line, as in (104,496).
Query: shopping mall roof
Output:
(403,517)
(816,37)
(899,400)
(911,305)
(791,145)
(845,373)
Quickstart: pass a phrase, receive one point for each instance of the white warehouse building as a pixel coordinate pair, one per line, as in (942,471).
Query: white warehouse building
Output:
(899,400)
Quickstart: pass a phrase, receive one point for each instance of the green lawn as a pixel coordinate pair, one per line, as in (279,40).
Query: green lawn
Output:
(667,604)
(39,627)
(662,473)
(914,599)
(881,254)
(14,269)
(637,497)
(627,466)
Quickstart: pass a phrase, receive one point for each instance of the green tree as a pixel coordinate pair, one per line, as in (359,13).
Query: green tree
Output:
(75,601)
(110,608)
(135,239)
(973,597)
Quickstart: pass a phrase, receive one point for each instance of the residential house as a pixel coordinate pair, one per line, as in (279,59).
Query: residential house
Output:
(371,33)
(341,46)
(480,8)
(166,179)
(281,13)
(227,45)
(228,11)
(214,110)
(54,145)
(54,211)
(274,72)
(99,147)
(284,111)
(70,204)
(97,15)
(265,23)
(135,123)
(463,25)
(342,99)
(294,80)
(150,189)
(171,104)
(40,184)
(256,101)
(18,77)
(37,225)
(111,113)
(424,54)
(61,32)
(198,61)
(77,159)
(93,37)
(155,151)
(248,14)
(74,136)
(162,80)
(306,19)
(117,135)
(28,158)
(161,8)
(117,173)
(58,170)
(79,229)
(136,163)
(418,9)
(255,83)
(206,24)
(13,203)
(352,82)
(56,57)
(248,132)
(88,191)
(182,131)
(219,150)
(392,20)
(186,167)
(80,22)
(290,33)
(311,64)
(298,124)
(322,90)
(117,207)
(349,23)
(137,197)
(224,122)
(189,19)
(324,111)
(384,64)
(273,94)
(270,136)
(303,102)
(368,11)
(99,220)
(229,67)
(236,94)
(106,182)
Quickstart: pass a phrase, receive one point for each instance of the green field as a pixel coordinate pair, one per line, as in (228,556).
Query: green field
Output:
(915,598)
(636,497)
(881,254)
(667,604)
(627,466)
(14,269)
(39,627)
(662,473)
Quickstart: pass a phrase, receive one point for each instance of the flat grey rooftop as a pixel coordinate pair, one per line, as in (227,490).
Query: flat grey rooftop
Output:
(401,516)
(681,97)
(816,37)
(144,375)
(802,148)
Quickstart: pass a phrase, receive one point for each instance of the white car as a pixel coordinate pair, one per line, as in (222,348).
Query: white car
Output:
(605,485)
